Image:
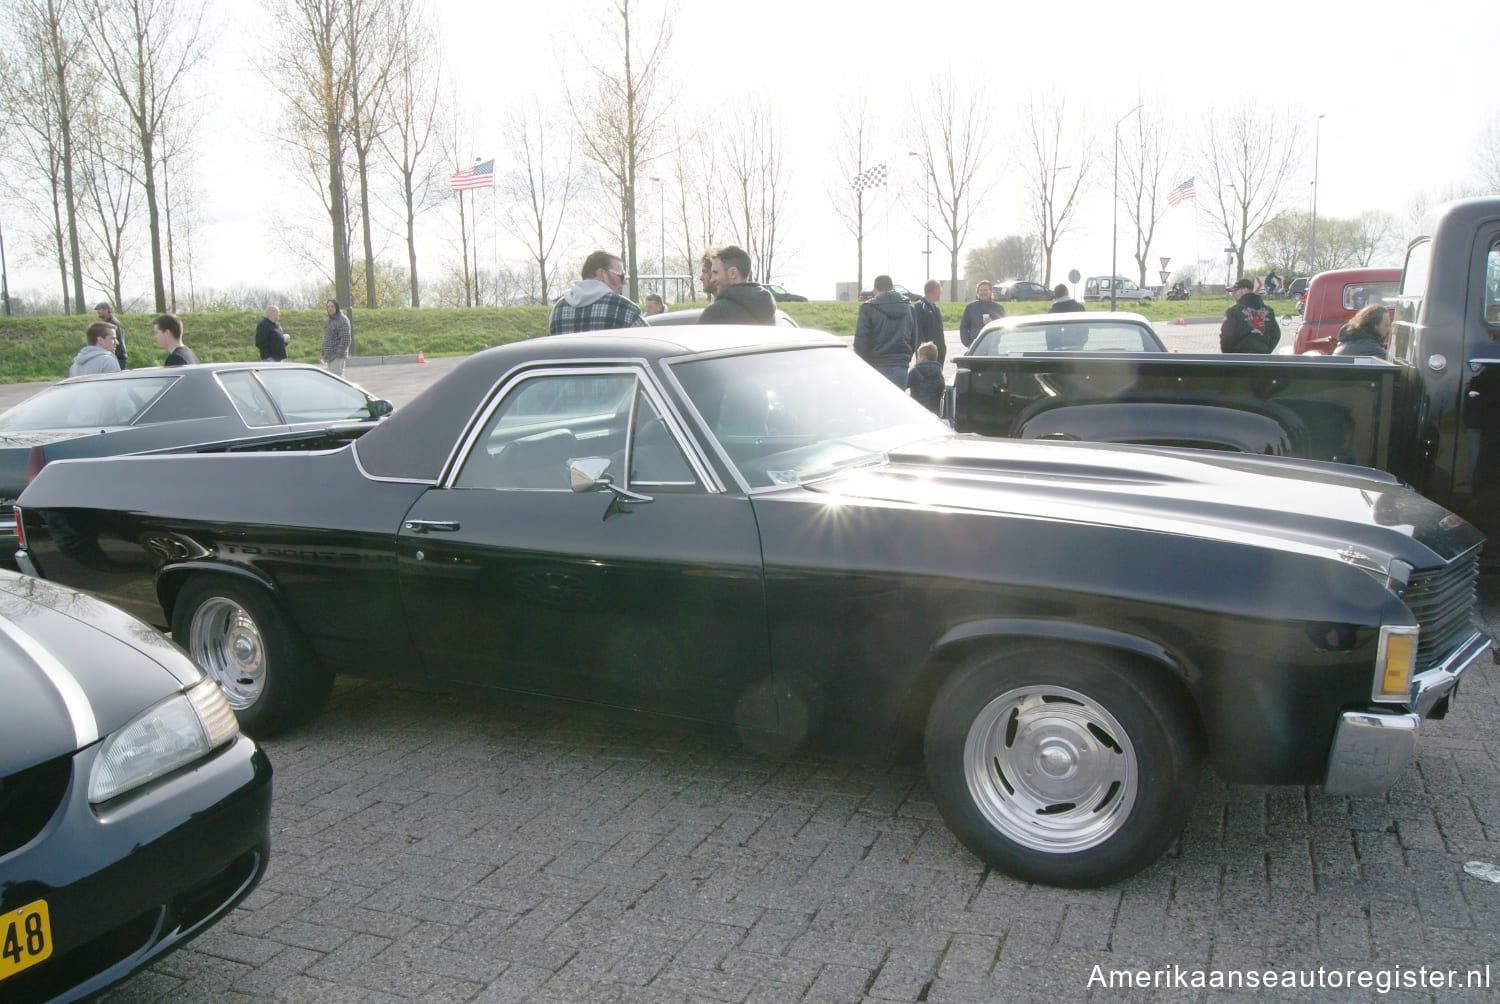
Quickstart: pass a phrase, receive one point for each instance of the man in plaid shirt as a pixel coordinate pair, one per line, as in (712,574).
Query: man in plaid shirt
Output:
(594,302)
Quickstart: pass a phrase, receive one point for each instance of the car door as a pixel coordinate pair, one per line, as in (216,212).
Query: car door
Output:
(511,579)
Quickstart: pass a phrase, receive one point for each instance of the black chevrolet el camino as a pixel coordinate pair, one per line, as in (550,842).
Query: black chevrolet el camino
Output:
(751,527)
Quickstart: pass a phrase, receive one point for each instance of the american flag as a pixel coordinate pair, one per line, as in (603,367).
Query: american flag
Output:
(1182,193)
(478,176)
(873,178)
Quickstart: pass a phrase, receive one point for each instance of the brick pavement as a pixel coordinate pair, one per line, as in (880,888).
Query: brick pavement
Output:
(454,848)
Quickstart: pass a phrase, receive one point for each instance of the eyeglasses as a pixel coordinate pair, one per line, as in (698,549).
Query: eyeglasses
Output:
(617,275)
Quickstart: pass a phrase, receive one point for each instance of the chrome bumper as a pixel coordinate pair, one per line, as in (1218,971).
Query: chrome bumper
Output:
(1372,748)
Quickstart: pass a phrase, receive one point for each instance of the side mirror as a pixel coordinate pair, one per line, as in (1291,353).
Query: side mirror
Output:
(380,408)
(587,474)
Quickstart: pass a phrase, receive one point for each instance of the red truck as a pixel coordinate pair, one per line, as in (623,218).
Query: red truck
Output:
(1335,296)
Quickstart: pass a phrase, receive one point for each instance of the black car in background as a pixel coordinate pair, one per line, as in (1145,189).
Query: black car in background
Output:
(133,812)
(145,410)
(1016,290)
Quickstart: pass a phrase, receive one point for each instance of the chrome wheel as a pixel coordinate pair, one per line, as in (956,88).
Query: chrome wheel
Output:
(226,643)
(1051,769)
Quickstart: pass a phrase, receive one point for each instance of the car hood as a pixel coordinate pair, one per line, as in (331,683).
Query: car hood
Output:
(1354,514)
(74,669)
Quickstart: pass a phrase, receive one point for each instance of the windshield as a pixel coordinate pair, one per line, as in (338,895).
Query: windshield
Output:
(793,416)
(88,404)
(1073,336)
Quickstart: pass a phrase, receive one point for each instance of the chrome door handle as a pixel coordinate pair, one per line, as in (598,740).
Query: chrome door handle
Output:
(429,525)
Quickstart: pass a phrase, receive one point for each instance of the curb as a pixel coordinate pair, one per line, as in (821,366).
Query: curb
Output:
(380,360)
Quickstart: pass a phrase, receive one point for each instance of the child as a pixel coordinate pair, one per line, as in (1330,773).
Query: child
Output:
(925,379)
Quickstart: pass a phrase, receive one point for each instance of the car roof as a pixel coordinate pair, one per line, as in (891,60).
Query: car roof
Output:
(182,371)
(416,442)
(1091,316)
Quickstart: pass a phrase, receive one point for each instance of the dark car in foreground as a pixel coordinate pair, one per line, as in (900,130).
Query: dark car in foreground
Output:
(752,528)
(133,813)
(1017,290)
(143,410)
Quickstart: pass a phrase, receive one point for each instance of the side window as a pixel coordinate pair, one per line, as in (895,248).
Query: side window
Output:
(544,422)
(655,458)
(1492,290)
(250,399)
(312,395)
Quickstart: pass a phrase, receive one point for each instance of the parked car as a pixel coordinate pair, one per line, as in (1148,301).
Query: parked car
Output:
(170,408)
(133,813)
(750,527)
(906,294)
(1092,332)
(1335,296)
(1016,290)
(1098,287)
(690,315)
(781,295)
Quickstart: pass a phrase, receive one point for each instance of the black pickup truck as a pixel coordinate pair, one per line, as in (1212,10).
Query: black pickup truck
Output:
(1430,416)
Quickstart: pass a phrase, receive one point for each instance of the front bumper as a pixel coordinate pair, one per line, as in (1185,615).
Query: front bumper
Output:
(1372,747)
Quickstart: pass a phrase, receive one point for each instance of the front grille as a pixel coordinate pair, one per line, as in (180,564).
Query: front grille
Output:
(28,798)
(1445,601)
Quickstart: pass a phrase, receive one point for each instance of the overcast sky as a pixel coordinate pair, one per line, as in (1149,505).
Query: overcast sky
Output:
(1405,90)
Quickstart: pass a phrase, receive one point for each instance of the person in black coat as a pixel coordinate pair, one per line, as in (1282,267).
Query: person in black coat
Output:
(885,332)
(1366,334)
(106,314)
(1063,302)
(930,319)
(1249,325)
(978,313)
(925,380)
(737,300)
(270,340)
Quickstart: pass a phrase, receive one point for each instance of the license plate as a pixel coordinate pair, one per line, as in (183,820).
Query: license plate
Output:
(25,938)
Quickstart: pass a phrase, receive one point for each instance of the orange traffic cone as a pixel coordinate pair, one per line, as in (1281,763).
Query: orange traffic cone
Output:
(1179,321)
(421,359)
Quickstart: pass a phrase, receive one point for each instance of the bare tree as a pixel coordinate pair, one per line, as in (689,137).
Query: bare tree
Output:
(1487,155)
(44,87)
(1248,155)
(147,48)
(755,169)
(1282,242)
(1145,153)
(310,68)
(1058,163)
(109,191)
(953,124)
(1013,257)
(619,103)
(853,145)
(696,176)
(371,37)
(536,192)
(415,83)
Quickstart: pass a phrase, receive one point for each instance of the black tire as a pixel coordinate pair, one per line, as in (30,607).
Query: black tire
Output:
(237,633)
(1061,765)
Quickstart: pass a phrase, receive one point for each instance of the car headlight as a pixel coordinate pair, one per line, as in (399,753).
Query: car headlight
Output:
(175,732)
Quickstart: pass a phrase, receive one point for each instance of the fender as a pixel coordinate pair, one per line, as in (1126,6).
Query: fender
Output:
(1068,631)
(169,579)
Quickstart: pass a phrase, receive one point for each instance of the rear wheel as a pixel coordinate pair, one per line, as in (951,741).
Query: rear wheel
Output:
(1059,765)
(238,634)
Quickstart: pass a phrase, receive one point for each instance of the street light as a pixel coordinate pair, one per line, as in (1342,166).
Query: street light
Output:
(1312,244)
(661,192)
(926,210)
(1114,232)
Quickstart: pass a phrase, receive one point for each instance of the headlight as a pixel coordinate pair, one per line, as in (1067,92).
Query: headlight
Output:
(177,731)
(1395,661)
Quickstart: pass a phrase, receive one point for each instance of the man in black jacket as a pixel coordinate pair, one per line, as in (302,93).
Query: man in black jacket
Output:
(930,319)
(737,300)
(1249,325)
(979,313)
(885,333)
(1063,302)
(270,340)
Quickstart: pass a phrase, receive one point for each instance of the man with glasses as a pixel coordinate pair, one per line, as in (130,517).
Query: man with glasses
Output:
(594,302)
(98,356)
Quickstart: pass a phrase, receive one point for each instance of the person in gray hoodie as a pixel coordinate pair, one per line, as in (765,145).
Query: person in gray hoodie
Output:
(885,333)
(596,302)
(98,355)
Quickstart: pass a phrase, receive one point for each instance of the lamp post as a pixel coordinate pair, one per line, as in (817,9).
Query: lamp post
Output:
(1114,231)
(926,212)
(1312,244)
(661,193)
(4,280)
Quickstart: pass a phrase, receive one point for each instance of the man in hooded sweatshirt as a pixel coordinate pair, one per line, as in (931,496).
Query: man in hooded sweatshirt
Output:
(885,333)
(594,302)
(737,300)
(98,355)
(1249,325)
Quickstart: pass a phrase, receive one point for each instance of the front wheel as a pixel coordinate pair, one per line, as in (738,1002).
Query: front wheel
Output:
(1062,766)
(239,636)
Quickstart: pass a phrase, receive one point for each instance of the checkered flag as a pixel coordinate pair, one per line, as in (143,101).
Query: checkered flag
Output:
(873,178)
